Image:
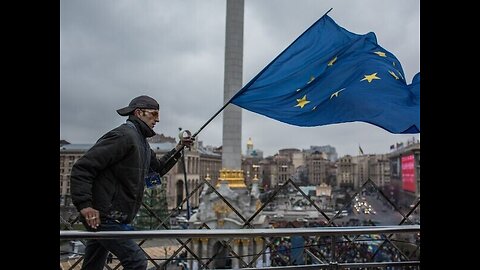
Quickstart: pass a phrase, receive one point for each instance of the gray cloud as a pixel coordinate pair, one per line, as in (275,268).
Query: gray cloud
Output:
(112,51)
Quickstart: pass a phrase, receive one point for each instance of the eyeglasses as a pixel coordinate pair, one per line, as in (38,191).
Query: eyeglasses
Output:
(153,113)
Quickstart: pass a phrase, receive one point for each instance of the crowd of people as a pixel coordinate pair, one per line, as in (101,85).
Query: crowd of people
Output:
(362,250)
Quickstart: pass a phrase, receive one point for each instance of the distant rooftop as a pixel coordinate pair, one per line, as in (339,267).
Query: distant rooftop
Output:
(163,147)
(207,151)
(76,146)
(63,142)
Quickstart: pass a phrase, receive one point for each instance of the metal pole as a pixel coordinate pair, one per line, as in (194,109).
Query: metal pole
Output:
(186,183)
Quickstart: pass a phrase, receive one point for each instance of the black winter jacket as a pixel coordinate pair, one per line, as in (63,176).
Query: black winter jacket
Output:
(109,177)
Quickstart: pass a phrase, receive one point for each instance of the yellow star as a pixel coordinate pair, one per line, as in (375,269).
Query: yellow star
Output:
(393,74)
(336,93)
(400,74)
(382,54)
(302,102)
(311,79)
(370,77)
(332,61)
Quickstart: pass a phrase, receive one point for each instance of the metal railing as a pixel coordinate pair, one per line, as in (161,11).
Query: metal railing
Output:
(267,233)
(331,244)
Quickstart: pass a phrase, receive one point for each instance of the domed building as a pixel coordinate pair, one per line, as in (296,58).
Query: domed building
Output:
(216,214)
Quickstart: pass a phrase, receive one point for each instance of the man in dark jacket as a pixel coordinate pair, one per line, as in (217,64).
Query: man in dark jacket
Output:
(107,183)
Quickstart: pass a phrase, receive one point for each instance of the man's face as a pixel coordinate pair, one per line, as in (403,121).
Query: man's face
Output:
(149,116)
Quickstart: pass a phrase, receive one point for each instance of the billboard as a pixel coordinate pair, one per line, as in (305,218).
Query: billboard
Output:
(408,173)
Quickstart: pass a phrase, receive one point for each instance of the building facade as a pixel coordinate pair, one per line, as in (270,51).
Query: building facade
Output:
(404,186)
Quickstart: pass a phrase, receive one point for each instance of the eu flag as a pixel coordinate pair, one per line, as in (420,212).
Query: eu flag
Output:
(329,75)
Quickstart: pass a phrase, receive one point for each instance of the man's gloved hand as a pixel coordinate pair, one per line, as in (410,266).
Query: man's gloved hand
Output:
(185,142)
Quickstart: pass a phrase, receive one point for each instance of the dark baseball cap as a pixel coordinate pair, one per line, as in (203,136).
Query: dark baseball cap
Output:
(140,102)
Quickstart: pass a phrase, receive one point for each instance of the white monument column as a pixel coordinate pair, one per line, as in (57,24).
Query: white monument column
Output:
(268,262)
(232,114)
(204,252)
(195,248)
(258,249)
(245,255)
(236,249)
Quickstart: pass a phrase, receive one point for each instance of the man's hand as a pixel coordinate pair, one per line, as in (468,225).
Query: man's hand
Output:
(185,142)
(92,216)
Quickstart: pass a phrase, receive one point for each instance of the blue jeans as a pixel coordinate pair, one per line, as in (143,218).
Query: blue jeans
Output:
(131,256)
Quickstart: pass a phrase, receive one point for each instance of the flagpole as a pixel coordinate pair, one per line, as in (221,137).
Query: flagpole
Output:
(211,118)
(326,12)
(202,127)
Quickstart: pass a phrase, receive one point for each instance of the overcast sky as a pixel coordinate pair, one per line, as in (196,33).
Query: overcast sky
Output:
(172,50)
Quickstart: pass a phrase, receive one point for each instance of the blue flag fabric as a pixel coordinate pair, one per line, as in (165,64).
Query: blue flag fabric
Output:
(329,75)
